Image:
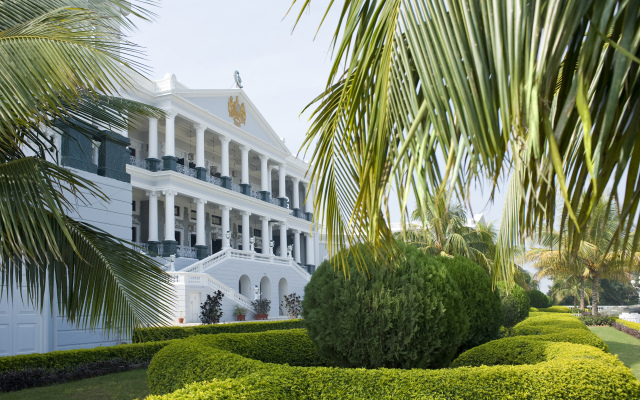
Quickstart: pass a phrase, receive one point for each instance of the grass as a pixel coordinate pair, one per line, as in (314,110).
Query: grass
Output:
(121,386)
(625,346)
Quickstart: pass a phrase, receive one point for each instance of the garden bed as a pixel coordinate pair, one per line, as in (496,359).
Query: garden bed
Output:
(284,365)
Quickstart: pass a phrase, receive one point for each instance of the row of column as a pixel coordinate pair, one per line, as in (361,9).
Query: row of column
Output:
(169,160)
(169,245)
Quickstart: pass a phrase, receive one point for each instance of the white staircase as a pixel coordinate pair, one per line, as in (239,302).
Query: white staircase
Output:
(218,258)
(202,279)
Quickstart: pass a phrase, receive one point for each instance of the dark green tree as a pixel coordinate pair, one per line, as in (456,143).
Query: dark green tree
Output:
(212,308)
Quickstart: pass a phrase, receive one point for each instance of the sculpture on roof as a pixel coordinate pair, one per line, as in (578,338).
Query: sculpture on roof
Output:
(237,111)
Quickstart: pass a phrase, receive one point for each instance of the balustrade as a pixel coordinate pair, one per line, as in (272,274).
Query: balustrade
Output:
(137,162)
(186,252)
(186,171)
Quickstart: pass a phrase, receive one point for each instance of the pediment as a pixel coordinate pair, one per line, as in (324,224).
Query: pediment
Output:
(234,107)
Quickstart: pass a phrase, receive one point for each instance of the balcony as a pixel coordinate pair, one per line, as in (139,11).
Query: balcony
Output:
(190,172)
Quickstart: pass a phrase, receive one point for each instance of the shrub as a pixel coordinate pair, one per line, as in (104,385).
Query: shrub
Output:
(549,323)
(566,370)
(292,304)
(591,320)
(632,325)
(515,305)
(261,306)
(483,305)
(32,370)
(408,316)
(538,299)
(180,332)
(188,360)
(239,310)
(533,309)
(518,350)
(212,309)
(622,326)
(556,309)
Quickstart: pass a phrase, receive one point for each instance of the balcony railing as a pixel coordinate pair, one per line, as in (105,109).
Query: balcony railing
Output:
(236,188)
(275,201)
(214,179)
(186,252)
(256,195)
(186,171)
(137,162)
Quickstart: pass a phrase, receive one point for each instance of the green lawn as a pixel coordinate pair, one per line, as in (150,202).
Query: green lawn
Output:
(122,386)
(625,346)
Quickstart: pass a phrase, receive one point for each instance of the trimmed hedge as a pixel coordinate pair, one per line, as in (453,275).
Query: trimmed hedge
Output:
(410,315)
(597,320)
(565,371)
(235,354)
(529,349)
(533,309)
(142,335)
(32,370)
(626,329)
(483,305)
(540,324)
(632,325)
(556,309)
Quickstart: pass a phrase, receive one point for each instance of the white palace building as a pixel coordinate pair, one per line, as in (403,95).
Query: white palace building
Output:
(211,188)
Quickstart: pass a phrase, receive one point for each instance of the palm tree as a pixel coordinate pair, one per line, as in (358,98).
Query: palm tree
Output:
(427,95)
(570,286)
(590,257)
(447,232)
(64,61)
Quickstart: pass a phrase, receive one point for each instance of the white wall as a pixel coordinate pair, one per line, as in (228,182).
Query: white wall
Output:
(25,330)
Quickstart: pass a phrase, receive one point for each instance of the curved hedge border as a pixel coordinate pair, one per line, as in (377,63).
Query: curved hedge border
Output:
(32,370)
(541,324)
(556,309)
(565,371)
(142,335)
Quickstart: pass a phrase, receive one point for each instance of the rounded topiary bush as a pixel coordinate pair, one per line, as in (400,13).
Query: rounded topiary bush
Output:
(483,305)
(410,315)
(515,305)
(538,299)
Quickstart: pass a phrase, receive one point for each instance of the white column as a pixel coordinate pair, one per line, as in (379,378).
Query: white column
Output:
(225,226)
(170,135)
(200,237)
(308,204)
(153,216)
(283,239)
(296,246)
(271,168)
(264,160)
(169,216)
(296,193)
(199,144)
(246,230)
(282,176)
(245,163)
(310,245)
(153,138)
(225,155)
(265,235)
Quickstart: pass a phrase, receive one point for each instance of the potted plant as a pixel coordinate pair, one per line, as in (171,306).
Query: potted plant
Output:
(261,308)
(181,318)
(240,313)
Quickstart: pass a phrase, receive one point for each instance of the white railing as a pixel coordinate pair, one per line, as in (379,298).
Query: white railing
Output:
(256,195)
(631,317)
(186,170)
(182,278)
(213,260)
(186,252)
(274,200)
(137,162)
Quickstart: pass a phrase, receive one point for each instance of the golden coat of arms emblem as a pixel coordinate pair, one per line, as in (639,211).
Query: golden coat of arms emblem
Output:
(237,111)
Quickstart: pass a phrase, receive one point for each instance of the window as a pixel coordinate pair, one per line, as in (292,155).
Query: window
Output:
(239,228)
(133,206)
(176,211)
(134,234)
(257,232)
(132,151)
(193,240)
(215,220)
(177,237)
(194,215)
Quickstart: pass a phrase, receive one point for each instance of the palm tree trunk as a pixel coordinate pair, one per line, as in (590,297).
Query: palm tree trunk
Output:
(594,295)
(582,293)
